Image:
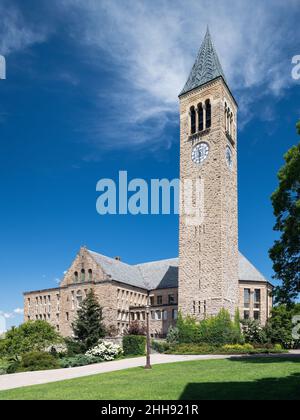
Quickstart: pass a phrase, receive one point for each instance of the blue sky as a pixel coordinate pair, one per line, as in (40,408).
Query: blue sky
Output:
(92,89)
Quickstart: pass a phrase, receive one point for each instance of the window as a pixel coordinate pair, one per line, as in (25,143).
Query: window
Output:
(159,300)
(165,315)
(151,300)
(73,300)
(79,298)
(76,277)
(208,113)
(174,314)
(152,315)
(194,306)
(90,275)
(200,118)
(246,314)
(83,275)
(246,298)
(171,299)
(256,315)
(158,315)
(199,307)
(67,316)
(193,120)
(257,299)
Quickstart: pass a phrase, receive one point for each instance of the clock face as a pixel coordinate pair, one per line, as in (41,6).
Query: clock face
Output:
(200,152)
(229,159)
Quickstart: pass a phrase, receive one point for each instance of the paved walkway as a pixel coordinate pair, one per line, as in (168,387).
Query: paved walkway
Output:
(19,380)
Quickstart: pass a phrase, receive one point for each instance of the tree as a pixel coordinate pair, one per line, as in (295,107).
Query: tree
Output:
(285,252)
(279,328)
(88,327)
(30,336)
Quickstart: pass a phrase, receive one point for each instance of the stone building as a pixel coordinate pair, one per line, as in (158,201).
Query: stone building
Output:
(210,272)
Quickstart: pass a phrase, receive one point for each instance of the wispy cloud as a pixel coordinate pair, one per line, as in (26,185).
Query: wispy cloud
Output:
(149,48)
(12,314)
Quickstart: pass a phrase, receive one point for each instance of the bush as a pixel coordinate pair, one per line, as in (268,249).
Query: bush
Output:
(187,329)
(160,346)
(173,335)
(192,348)
(219,330)
(36,360)
(280,326)
(79,360)
(74,347)
(196,349)
(105,351)
(134,345)
(28,337)
(253,332)
(237,348)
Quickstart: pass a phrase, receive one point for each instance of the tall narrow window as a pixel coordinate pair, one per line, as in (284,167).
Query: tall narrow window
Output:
(226,126)
(82,275)
(193,120)
(200,117)
(90,275)
(208,113)
(246,298)
(76,277)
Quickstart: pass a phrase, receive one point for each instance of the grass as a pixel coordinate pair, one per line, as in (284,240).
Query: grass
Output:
(244,379)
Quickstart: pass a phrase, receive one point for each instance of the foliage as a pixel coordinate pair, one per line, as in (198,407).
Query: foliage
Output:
(105,351)
(88,327)
(173,335)
(187,329)
(280,326)
(78,360)
(160,346)
(30,336)
(36,360)
(134,345)
(219,330)
(74,347)
(136,328)
(4,364)
(236,348)
(253,332)
(285,252)
(204,348)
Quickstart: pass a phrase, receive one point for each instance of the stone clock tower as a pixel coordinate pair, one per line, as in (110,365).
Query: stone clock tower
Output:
(208,247)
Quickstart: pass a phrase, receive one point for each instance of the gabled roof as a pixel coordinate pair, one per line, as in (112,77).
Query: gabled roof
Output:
(161,274)
(207,66)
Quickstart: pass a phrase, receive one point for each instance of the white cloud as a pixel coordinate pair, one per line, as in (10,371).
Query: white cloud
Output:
(17,33)
(149,48)
(153,46)
(19,311)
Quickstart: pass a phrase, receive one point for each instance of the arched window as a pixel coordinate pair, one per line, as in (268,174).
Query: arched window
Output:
(200,117)
(231,124)
(208,113)
(76,277)
(226,128)
(228,120)
(82,275)
(90,275)
(193,120)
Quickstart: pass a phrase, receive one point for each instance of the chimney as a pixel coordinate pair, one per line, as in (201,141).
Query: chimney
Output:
(118,258)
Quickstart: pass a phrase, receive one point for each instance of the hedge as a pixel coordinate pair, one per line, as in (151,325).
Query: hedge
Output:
(134,345)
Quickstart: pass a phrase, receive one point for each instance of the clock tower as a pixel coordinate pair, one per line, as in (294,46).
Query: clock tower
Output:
(208,245)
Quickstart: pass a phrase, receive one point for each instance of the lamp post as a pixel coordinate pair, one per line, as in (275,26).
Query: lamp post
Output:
(148,363)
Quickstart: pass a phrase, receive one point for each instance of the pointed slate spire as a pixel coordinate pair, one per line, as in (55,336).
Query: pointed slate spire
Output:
(207,66)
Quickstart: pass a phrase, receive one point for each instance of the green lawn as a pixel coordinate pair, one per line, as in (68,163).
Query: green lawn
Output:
(259,378)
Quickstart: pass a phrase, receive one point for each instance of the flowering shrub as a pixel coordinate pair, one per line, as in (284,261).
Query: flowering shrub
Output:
(105,350)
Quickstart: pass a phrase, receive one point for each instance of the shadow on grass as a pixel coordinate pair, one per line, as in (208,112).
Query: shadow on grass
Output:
(267,358)
(287,388)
